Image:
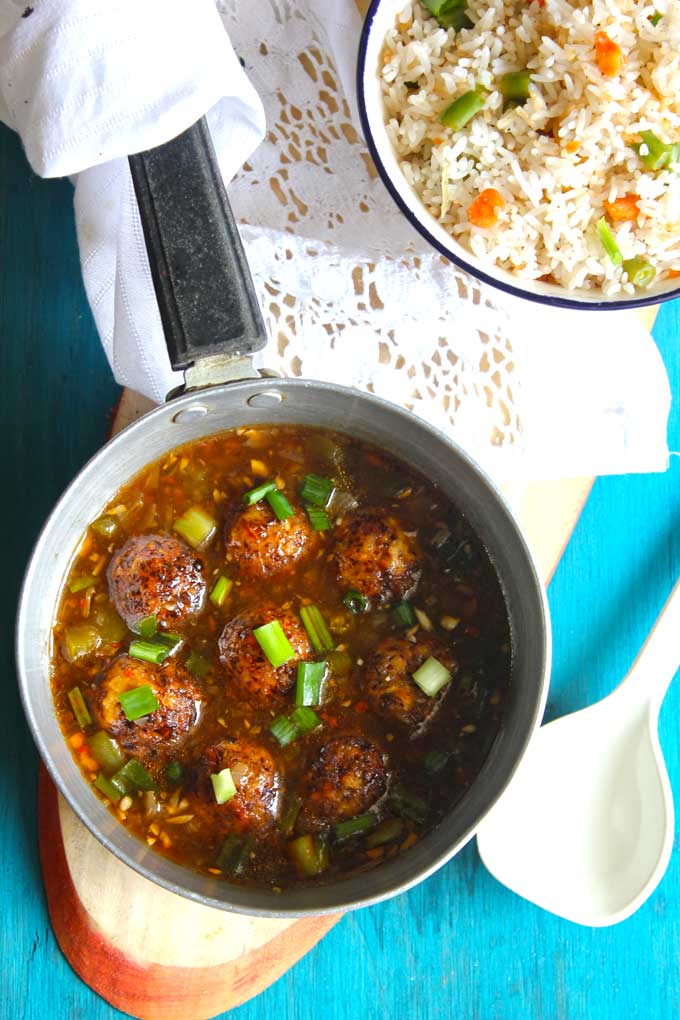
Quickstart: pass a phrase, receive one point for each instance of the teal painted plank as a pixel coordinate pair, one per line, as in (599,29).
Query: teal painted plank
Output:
(460,946)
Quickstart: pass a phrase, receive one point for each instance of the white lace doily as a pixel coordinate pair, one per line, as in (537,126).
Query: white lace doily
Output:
(350,291)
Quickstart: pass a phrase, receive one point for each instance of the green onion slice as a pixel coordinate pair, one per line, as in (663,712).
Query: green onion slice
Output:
(174,772)
(431,677)
(196,526)
(80,583)
(284,730)
(147,627)
(449,13)
(408,804)
(280,505)
(388,830)
(107,788)
(355,601)
(272,640)
(657,154)
(255,495)
(223,785)
(640,272)
(148,651)
(317,490)
(309,854)
(221,590)
(462,110)
(403,615)
(106,751)
(198,664)
(80,709)
(316,628)
(655,18)
(514,86)
(81,640)
(609,242)
(234,855)
(138,702)
(435,760)
(318,519)
(304,720)
(289,816)
(310,677)
(354,826)
(133,776)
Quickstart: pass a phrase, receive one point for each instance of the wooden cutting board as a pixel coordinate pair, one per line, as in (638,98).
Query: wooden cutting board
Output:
(158,956)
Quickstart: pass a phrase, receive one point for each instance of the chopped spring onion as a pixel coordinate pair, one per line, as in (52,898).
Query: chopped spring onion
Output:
(309,854)
(657,154)
(449,13)
(80,583)
(355,601)
(317,490)
(462,110)
(514,86)
(234,855)
(196,526)
(435,760)
(105,526)
(138,702)
(609,242)
(431,677)
(272,640)
(289,816)
(149,651)
(80,709)
(81,640)
(198,664)
(305,720)
(223,785)
(340,663)
(107,751)
(221,590)
(255,495)
(640,272)
(655,18)
(403,615)
(310,677)
(354,826)
(168,640)
(388,830)
(133,776)
(284,730)
(319,519)
(107,788)
(316,628)
(408,804)
(174,772)
(147,627)
(280,505)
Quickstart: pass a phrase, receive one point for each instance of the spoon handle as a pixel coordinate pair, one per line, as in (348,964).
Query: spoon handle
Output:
(659,658)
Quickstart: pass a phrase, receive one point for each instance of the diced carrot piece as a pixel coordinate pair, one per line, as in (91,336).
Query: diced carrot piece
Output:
(484,210)
(409,841)
(573,146)
(608,54)
(672,274)
(623,208)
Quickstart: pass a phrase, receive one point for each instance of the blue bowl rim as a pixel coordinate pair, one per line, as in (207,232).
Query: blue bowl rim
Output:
(551,300)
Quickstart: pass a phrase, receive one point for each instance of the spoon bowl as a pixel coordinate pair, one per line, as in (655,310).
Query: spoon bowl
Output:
(585,828)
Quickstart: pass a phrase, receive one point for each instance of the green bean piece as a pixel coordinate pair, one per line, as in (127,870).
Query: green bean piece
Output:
(640,272)
(608,242)
(658,154)
(462,110)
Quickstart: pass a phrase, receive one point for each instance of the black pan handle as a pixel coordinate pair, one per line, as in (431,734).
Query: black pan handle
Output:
(200,273)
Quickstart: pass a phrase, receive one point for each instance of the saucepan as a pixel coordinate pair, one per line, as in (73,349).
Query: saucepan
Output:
(213,326)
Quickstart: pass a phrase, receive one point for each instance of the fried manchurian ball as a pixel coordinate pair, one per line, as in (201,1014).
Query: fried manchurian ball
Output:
(346,779)
(256,803)
(156,575)
(156,735)
(389,683)
(245,664)
(259,545)
(375,556)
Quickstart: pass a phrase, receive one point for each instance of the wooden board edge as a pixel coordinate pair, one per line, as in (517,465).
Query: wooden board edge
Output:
(155,992)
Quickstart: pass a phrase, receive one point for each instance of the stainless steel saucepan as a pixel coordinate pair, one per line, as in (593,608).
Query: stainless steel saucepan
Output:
(213,325)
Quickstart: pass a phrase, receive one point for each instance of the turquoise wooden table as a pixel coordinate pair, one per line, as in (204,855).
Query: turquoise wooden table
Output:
(460,946)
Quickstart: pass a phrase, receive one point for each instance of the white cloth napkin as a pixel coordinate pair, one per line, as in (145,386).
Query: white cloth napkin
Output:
(85,82)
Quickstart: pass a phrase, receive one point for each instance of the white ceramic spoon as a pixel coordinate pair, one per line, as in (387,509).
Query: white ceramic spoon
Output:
(585,828)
